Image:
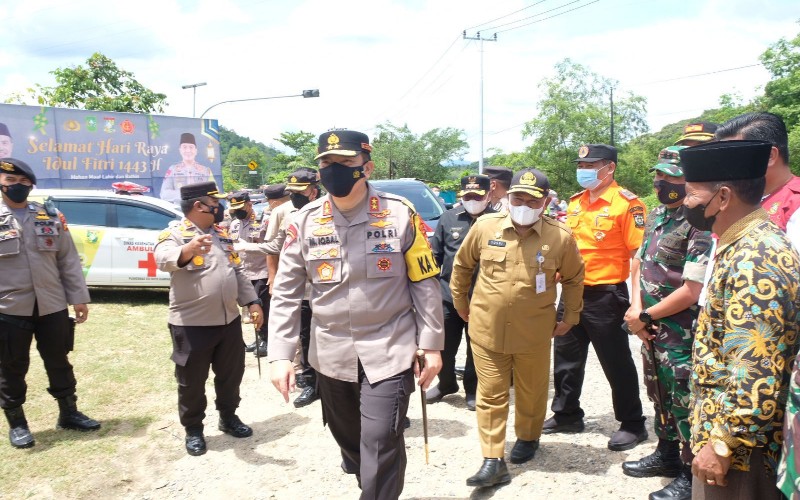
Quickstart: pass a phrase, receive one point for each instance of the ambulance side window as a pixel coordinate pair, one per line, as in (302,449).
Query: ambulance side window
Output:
(142,218)
(84,213)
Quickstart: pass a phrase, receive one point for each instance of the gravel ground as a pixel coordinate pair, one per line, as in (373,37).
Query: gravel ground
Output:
(292,456)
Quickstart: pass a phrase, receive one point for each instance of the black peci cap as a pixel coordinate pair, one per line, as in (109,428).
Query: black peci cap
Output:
(499,173)
(4,130)
(187,138)
(725,161)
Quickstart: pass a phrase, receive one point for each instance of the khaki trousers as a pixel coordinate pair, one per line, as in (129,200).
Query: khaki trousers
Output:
(531,383)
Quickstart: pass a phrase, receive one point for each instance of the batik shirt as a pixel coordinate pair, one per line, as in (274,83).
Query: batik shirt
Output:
(746,341)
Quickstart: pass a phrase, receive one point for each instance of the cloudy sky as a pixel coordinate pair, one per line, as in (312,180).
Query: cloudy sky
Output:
(402,61)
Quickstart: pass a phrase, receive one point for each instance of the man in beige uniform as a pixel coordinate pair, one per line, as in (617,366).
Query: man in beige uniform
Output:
(512,315)
(375,301)
(41,274)
(206,284)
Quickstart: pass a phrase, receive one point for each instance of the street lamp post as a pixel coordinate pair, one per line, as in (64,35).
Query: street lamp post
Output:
(304,94)
(193,86)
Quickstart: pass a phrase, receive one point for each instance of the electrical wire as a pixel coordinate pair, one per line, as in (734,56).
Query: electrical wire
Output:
(507,15)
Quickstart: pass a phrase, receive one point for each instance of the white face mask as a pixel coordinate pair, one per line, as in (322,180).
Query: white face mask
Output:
(475,207)
(524,215)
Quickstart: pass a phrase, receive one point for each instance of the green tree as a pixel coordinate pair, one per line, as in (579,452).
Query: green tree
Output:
(576,110)
(413,156)
(303,146)
(782,93)
(236,174)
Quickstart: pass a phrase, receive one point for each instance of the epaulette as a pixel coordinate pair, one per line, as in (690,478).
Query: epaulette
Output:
(555,222)
(627,194)
(577,194)
(493,215)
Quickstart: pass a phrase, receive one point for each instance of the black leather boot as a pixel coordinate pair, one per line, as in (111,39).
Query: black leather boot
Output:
(70,418)
(492,472)
(309,393)
(232,425)
(18,433)
(679,489)
(195,441)
(665,461)
(260,350)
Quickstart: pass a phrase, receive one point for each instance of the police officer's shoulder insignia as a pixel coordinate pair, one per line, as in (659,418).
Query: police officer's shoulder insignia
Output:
(63,221)
(163,235)
(638,220)
(374,204)
(326,207)
(627,194)
(291,235)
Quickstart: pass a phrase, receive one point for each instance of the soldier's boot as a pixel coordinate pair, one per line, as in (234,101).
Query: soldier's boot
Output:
(665,461)
(18,434)
(679,489)
(70,418)
(260,349)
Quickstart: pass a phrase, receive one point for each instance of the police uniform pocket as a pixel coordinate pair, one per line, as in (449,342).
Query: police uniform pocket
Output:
(493,262)
(384,258)
(46,243)
(9,243)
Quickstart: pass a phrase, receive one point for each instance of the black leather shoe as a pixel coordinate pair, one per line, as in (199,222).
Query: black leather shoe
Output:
(406,423)
(70,418)
(308,396)
(679,489)
(195,443)
(553,426)
(18,433)
(261,350)
(665,462)
(625,439)
(234,427)
(470,402)
(523,451)
(492,472)
(250,347)
(435,394)
(459,372)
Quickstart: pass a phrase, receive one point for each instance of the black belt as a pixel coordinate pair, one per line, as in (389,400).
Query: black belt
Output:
(604,288)
(19,323)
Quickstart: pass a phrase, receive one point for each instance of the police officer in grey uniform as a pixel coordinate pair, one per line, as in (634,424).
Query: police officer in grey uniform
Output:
(246,233)
(375,302)
(42,274)
(206,284)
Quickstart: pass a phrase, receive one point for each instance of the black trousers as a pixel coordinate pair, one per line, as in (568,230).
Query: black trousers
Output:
(53,341)
(262,290)
(307,372)
(194,350)
(600,325)
(453,327)
(366,421)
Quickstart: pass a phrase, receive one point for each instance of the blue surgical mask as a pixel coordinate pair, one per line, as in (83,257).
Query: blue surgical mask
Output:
(587,178)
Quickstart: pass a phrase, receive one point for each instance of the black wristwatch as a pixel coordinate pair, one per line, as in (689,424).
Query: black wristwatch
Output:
(645,318)
(257,302)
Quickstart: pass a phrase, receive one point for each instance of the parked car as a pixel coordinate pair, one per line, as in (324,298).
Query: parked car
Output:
(115,234)
(419,194)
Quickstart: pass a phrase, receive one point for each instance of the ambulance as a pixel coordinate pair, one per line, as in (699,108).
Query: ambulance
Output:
(115,234)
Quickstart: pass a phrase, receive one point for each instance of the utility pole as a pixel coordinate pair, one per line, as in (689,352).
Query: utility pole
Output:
(193,86)
(612,116)
(481,40)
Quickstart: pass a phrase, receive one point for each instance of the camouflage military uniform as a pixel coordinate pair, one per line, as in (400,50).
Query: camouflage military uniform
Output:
(672,252)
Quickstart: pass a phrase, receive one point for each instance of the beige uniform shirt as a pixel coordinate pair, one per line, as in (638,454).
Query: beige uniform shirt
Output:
(507,313)
(364,305)
(278,219)
(38,262)
(206,291)
(254,262)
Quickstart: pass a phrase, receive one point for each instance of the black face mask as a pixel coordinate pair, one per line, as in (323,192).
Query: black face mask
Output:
(240,214)
(668,192)
(299,200)
(339,179)
(696,216)
(217,212)
(17,192)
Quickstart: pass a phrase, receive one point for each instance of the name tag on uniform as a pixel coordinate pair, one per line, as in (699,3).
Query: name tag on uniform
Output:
(541,283)
(497,243)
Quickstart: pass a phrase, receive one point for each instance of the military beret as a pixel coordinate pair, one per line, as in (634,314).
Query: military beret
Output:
(342,142)
(200,189)
(187,138)
(669,161)
(499,173)
(275,191)
(4,130)
(301,179)
(725,161)
(700,131)
(238,199)
(19,167)
(531,181)
(596,152)
(478,184)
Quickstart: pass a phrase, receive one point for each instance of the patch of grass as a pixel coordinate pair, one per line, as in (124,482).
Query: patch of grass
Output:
(125,380)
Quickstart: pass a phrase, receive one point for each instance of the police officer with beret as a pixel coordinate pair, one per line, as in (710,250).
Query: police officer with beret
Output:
(608,223)
(207,284)
(246,232)
(447,238)
(42,274)
(375,302)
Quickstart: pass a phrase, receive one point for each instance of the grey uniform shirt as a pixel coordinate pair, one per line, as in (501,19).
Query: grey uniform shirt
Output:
(38,262)
(364,305)
(254,262)
(206,291)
